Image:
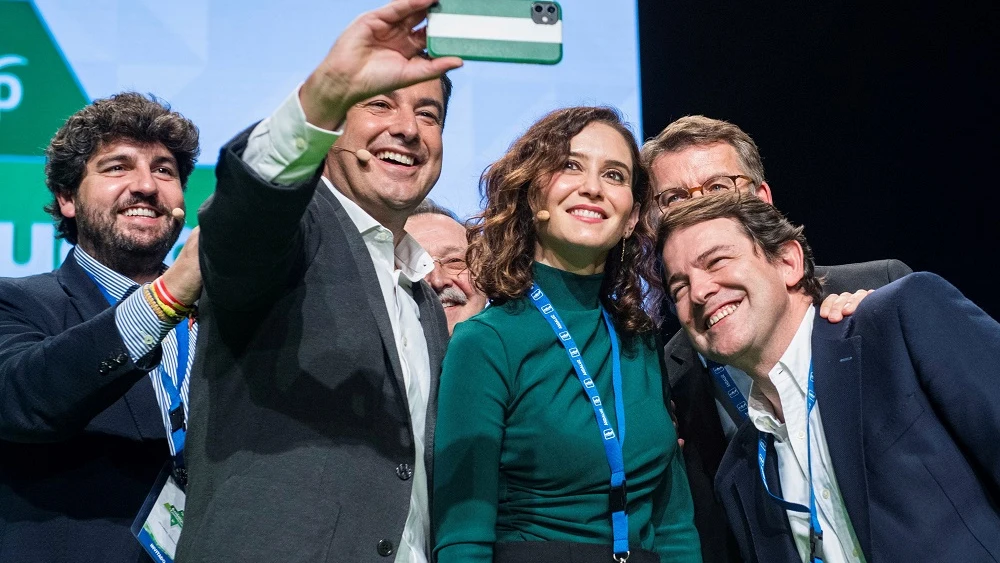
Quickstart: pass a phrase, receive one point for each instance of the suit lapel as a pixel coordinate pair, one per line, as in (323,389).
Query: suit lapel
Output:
(692,390)
(89,302)
(372,290)
(837,365)
(769,535)
(82,292)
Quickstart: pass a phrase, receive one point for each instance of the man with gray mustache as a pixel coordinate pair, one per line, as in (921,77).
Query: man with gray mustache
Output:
(439,232)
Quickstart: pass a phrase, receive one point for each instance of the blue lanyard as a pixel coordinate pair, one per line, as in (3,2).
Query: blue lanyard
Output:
(175,412)
(815,530)
(612,445)
(725,381)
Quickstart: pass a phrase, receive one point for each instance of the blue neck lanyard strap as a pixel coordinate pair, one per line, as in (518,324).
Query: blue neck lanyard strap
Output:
(177,431)
(612,443)
(815,530)
(726,382)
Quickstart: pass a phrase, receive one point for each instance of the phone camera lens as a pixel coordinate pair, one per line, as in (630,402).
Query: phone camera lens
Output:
(552,9)
(538,8)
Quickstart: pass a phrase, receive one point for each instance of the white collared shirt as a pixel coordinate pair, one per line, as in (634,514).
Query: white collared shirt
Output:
(285,149)
(791,377)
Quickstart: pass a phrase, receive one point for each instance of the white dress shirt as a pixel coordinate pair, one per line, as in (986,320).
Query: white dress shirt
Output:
(791,378)
(285,149)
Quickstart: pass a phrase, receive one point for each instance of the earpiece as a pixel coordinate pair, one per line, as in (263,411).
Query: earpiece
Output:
(542,215)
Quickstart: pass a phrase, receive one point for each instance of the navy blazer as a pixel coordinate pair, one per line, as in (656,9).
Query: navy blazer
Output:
(911,413)
(693,391)
(79,449)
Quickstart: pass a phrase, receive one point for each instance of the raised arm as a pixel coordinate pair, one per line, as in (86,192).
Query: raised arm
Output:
(254,225)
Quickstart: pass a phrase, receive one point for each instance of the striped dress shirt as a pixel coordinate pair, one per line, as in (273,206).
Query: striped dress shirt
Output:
(141,331)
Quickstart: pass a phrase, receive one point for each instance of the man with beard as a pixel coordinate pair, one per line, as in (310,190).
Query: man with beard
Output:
(93,356)
(439,232)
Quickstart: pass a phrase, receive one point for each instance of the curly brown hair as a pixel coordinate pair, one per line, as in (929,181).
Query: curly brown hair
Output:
(125,116)
(502,237)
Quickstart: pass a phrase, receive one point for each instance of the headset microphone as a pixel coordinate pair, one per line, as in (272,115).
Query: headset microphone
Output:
(177,213)
(362,155)
(542,215)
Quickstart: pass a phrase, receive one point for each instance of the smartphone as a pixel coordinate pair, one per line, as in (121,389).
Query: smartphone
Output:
(515,31)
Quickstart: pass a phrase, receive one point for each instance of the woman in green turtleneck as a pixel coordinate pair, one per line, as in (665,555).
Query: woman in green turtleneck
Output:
(521,471)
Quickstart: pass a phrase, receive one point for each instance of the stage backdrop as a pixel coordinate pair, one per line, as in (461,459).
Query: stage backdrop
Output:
(226,64)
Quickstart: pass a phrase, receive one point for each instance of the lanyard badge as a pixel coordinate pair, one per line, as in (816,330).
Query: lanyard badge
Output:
(160,520)
(612,442)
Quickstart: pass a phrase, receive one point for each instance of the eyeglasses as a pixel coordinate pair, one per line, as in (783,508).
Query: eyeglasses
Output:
(452,265)
(717,184)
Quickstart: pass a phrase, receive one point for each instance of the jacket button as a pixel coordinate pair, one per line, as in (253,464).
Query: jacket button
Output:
(385,548)
(404,471)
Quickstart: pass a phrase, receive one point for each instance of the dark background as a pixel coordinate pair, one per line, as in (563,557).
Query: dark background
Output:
(877,123)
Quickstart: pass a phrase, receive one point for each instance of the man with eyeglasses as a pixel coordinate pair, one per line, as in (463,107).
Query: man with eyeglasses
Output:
(438,231)
(696,156)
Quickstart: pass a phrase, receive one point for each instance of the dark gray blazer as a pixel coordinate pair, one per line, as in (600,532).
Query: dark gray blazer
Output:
(698,419)
(300,446)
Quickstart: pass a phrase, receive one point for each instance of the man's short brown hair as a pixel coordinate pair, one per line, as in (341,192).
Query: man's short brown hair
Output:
(764,225)
(697,131)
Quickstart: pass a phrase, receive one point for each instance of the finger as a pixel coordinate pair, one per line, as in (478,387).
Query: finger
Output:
(824,308)
(414,20)
(418,40)
(836,313)
(409,44)
(420,70)
(680,443)
(854,300)
(399,10)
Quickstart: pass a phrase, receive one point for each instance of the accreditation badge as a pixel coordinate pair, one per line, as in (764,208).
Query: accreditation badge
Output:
(159,523)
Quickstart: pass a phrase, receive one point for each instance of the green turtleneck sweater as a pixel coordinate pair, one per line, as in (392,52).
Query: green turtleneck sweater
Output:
(517,453)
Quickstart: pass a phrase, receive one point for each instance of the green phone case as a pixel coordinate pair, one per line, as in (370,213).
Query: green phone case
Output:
(493,30)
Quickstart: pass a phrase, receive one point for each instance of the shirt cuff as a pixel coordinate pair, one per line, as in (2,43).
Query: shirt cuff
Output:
(286,149)
(141,330)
